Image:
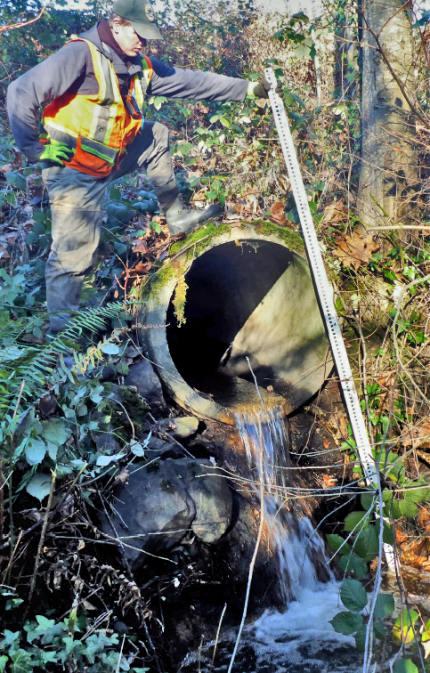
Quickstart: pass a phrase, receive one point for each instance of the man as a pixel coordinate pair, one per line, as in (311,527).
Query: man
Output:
(94,132)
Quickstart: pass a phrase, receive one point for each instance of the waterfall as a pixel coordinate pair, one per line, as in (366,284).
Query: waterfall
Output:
(300,550)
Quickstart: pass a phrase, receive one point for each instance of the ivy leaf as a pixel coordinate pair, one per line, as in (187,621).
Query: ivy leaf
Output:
(353,595)
(405,666)
(384,606)
(103,461)
(3,661)
(355,521)
(35,451)
(408,508)
(137,449)
(110,349)
(55,431)
(346,623)
(39,486)
(338,544)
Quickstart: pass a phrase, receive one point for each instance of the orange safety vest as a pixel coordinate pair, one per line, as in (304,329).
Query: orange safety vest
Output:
(98,126)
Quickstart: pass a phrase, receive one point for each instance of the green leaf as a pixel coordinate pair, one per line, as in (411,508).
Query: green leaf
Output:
(353,595)
(35,451)
(367,543)
(417,494)
(225,122)
(384,606)
(103,461)
(379,630)
(354,563)
(55,431)
(360,639)
(367,501)
(338,544)
(137,449)
(405,666)
(355,521)
(3,661)
(426,632)
(110,349)
(408,508)
(39,486)
(115,194)
(403,629)
(346,623)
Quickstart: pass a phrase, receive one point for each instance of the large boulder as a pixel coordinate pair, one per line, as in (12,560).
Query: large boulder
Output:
(156,509)
(142,376)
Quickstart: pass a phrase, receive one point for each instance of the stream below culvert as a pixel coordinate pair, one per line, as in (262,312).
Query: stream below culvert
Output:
(301,638)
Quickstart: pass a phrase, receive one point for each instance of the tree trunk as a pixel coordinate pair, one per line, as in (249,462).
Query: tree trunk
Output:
(389,170)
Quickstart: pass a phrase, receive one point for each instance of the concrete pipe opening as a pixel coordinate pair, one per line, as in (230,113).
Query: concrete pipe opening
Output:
(240,299)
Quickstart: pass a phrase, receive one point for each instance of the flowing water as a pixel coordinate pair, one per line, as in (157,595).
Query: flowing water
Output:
(300,639)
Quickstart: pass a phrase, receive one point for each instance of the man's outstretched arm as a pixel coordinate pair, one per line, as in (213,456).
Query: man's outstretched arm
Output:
(197,85)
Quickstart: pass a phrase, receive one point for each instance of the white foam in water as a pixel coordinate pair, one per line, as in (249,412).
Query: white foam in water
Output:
(305,619)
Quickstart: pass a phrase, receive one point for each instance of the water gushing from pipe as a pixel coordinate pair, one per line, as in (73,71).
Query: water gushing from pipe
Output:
(299,548)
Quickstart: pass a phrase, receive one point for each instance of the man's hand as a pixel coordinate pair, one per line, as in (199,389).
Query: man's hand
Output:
(261,89)
(57,153)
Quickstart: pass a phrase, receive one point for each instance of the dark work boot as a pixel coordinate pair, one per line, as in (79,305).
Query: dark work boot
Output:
(182,219)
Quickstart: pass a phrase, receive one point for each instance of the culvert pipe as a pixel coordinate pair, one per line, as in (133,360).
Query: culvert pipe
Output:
(235,298)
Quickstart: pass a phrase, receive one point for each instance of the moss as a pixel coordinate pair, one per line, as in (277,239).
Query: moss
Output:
(179,300)
(158,281)
(292,239)
(206,232)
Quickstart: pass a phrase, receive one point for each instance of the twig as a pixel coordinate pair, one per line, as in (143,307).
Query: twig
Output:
(217,635)
(40,546)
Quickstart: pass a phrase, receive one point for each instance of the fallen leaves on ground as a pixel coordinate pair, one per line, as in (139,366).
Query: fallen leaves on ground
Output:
(355,250)
(417,435)
(277,212)
(335,213)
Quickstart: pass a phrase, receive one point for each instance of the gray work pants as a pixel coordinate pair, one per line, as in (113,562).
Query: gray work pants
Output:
(76,205)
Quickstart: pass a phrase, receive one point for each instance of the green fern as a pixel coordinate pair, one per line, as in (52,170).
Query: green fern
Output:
(27,369)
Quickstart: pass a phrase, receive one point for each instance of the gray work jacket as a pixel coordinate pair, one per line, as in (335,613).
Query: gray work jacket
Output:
(71,70)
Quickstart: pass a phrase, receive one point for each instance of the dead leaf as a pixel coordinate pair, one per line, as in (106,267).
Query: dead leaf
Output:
(4,253)
(355,250)
(326,442)
(335,213)
(374,564)
(142,268)
(417,435)
(328,482)
(277,212)
(140,246)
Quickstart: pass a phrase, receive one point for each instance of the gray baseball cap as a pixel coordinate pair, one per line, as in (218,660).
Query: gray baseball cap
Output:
(141,16)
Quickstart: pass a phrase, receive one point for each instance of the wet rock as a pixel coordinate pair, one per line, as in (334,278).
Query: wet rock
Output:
(157,447)
(213,502)
(142,376)
(158,508)
(181,427)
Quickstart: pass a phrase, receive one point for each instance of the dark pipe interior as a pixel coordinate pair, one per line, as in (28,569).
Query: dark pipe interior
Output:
(225,285)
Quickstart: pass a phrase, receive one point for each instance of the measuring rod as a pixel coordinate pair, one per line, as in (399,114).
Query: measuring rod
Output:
(323,287)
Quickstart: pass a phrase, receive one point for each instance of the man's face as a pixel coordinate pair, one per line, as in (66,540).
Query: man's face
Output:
(130,42)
